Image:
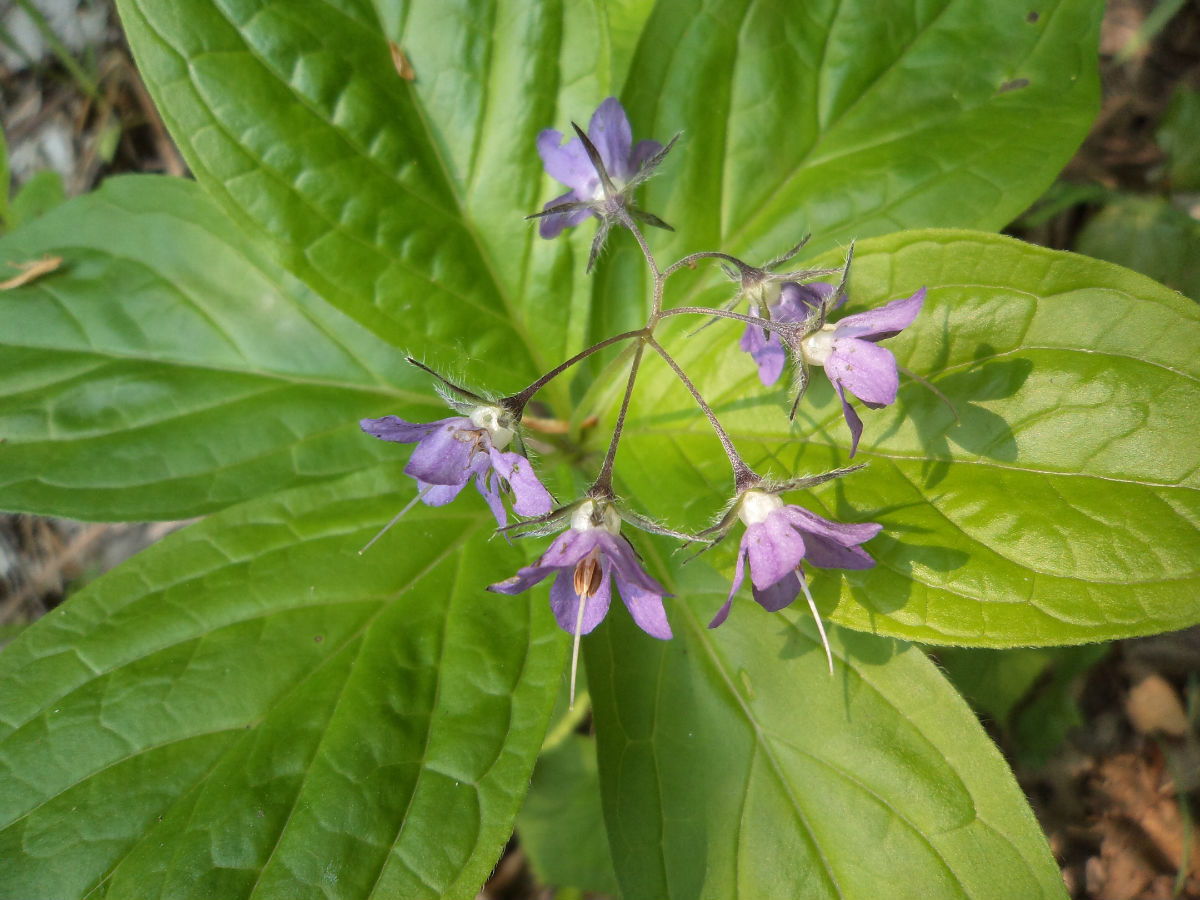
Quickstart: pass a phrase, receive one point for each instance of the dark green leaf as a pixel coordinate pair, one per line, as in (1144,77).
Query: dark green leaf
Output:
(42,193)
(732,765)
(1150,236)
(399,201)
(167,369)
(252,709)
(561,826)
(1179,136)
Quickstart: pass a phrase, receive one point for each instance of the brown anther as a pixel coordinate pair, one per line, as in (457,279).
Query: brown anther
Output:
(587,576)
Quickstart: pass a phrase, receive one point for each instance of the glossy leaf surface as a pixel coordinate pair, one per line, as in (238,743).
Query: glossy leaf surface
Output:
(842,119)
(167,369)
(1062,507)
(732,765)
(251,709)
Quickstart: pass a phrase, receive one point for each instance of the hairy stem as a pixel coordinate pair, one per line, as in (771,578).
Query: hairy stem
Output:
(765,324)
(517,402)
(602,487)
(741,471)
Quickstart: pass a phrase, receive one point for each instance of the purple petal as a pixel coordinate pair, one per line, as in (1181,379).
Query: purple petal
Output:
(551,227)
(444,456)
(778,595)
(565,602)
(799,301)
(738,574)
(833,545)
(845,533)
(490,489)
(439,494)
(866,370)
(393,428)
(645,606)
(852,418)
(610,132)
(884,322)
(568,549)
(530,498)
(642,151)
(773,548)
(568,163)
(767,352)
(620,553)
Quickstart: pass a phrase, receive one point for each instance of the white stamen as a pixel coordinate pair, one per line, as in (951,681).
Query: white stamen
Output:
(817,347)
(581,519)
(492,418)
(411,503)
(575,650)
(817,616)
(756,506)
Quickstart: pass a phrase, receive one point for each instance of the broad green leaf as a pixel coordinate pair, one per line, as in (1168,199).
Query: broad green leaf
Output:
(561,827)
(5,182)
(733,765)
(1063,507)
(1029,693)
(167,369)
(846,119)
(1150,236)
(252,709)
(42,193)
(1179,136)
(399,201)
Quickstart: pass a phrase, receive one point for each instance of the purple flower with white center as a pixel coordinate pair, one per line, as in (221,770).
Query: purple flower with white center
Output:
(610,132)
(451,451)
(778,538)
(847,350)
(588,558)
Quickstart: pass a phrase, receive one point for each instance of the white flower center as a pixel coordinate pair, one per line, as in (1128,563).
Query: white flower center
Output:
(492,418)
(581,519)
(817,346)
(756,506)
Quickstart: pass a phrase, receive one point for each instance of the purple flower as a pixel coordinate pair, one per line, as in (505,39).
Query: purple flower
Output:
(847,350)
(588,557)
(778,538)
(569,163)
(450,451)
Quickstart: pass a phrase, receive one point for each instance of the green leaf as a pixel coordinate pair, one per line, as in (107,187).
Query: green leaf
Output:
(561,826)
(845,119)
(1179,136)
(42,193)
(167,369)
(853,120)
(1063,507)
(732,765)
(1149,235)
(5,182)
(399,201)
(252,709)
(1029,692)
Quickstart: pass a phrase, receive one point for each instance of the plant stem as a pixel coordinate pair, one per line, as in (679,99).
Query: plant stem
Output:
(516,403)
(602,487)
(741,471)
(765,324)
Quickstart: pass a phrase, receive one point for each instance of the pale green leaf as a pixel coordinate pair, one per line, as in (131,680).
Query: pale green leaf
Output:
(1062,507)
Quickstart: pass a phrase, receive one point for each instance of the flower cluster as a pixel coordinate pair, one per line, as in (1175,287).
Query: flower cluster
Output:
(787,322)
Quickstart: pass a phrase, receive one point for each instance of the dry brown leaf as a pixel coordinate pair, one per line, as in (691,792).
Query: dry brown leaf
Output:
(400,61)
(30,271)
